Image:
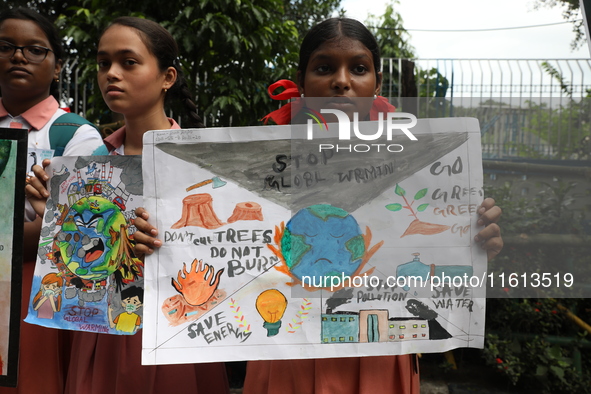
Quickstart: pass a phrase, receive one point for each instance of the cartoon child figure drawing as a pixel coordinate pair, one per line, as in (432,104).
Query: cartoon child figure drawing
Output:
(49,299)
(128,321)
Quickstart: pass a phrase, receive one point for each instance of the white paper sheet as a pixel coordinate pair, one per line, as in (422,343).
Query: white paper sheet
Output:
(86,276)
(246,214)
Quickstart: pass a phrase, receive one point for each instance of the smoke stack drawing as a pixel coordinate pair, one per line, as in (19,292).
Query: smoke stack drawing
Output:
(110,178)
(80,183)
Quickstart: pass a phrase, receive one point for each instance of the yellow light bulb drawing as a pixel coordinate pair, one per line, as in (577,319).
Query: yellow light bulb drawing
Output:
(271,305)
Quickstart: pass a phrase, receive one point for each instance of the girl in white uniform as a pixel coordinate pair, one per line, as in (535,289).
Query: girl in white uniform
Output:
(30,66)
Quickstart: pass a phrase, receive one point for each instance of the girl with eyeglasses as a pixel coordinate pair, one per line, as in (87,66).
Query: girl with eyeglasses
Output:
(30,65)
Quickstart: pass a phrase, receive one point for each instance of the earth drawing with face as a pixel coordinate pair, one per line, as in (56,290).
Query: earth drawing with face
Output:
(321,242)
(93,247)
(89,239)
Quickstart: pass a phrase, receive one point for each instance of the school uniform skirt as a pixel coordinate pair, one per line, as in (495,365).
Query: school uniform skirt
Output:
(354,375)
(102,363)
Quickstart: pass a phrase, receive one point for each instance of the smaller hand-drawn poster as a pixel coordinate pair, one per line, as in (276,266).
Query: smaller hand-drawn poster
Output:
(36,157)
(87,277)
(13,157)
(277,246)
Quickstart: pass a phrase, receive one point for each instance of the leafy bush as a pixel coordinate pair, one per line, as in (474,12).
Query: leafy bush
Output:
(532,342)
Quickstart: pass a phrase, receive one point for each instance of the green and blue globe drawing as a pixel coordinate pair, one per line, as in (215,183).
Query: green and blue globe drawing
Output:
(89,241)
(322,241)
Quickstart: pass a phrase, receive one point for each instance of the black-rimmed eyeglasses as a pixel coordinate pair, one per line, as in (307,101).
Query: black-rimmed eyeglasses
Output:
(33,53)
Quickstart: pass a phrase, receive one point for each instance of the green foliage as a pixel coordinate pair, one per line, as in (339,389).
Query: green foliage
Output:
(566,128)
(518,330)
(533,130)
(534,363)
(307,13)
(549,212)
(231,50)
(393,40)
(500,355)
(558,77)
(432,83)
(570,12)
(433,86)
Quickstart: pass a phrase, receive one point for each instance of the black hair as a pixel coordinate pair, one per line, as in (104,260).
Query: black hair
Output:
(51,32)
(335,28)
(133,291)
(163,46)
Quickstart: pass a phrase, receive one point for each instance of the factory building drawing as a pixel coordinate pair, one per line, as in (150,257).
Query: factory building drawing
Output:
(371,326)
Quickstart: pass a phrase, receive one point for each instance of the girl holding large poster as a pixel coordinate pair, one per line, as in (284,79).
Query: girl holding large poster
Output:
(340,58)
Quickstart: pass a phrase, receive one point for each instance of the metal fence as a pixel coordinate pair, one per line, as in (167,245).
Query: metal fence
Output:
(526,108)
(72,92)
(532,108)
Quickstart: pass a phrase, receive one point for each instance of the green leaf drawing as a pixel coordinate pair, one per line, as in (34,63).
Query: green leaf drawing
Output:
(400,191)
(394,207)
(422,207)
(420,194)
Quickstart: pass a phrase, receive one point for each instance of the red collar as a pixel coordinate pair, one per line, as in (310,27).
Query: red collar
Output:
(117,139)
(39,114)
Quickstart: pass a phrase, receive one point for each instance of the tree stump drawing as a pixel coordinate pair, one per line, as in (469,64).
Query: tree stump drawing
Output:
(246,211)
(198,211)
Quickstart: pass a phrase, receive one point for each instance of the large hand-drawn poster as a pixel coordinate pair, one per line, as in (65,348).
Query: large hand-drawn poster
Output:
(87,277)
(275,247)
(13,158)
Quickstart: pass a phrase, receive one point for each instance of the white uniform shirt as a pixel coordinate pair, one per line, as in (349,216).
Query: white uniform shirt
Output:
(38,120)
